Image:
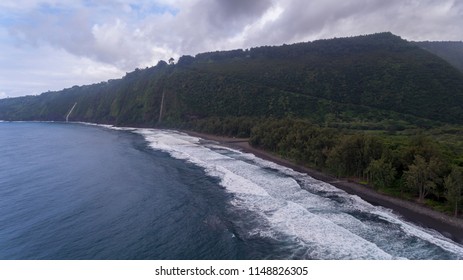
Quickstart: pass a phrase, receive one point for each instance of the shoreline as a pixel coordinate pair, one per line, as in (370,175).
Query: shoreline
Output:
(448,226)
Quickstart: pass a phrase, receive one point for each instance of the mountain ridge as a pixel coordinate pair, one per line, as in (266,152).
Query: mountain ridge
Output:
(451,51)
(375,108)
(343,77)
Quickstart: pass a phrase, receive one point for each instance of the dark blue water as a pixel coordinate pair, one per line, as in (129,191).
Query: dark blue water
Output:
(82,192)
(74,191)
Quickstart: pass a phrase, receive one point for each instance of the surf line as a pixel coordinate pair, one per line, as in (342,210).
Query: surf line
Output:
(70,111)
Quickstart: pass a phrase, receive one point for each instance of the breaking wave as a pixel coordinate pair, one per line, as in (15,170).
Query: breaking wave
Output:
(315,219)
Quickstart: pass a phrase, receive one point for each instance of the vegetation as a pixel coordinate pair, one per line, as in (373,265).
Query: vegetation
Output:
(452,52)
(454,188)
(409,167)
(376,107)
(369,82)
(423,176)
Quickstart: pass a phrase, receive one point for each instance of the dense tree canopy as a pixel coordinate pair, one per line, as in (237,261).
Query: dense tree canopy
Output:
(369,81)
(349,106)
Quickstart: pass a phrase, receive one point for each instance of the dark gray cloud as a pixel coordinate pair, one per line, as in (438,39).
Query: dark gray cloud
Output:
(415,20)
(119,36)
(223,12)
(209,24)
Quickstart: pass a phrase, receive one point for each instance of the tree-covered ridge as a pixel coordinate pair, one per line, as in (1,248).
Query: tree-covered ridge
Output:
(349,106)
(451,51)
(379,71)
(365,79)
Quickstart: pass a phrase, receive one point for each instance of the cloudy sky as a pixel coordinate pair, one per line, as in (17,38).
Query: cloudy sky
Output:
(50,44)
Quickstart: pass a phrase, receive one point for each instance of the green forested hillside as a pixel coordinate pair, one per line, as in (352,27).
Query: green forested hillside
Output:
(452,52)
(375,107)
(366,79)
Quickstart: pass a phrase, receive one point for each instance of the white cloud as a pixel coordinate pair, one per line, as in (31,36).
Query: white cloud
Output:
(256,27)
(46,68)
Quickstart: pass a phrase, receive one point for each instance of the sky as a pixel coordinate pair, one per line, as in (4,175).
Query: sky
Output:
(50,44)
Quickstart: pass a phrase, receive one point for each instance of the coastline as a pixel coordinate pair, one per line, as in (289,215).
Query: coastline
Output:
(450,227)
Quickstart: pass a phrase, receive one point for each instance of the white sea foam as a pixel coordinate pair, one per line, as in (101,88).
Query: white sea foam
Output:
(326,221)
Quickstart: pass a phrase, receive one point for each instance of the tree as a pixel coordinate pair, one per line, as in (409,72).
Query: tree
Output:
(171,61)
(352,155)
(423,176)
(454,186)
(381,172)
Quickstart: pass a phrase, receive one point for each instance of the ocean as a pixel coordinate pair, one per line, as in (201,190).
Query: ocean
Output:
(80,191)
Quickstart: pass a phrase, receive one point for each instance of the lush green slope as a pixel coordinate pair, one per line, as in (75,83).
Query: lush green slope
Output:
(452,52)
(366,79)
(379,71)
(349,106)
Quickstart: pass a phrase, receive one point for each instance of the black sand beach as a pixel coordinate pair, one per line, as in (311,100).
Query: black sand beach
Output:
(450,227)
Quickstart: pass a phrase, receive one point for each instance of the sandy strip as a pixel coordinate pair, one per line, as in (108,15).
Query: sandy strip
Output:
(410,211)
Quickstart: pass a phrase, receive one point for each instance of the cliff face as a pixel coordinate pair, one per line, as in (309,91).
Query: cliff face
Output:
(365,78)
